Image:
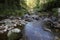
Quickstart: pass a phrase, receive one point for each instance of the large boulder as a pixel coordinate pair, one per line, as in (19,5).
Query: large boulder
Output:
(14,34)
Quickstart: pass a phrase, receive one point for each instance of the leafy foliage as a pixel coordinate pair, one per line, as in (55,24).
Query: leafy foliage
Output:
(20,7)
(12,7)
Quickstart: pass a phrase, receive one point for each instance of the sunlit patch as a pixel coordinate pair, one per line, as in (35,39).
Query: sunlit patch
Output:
(43,1)
(31,3)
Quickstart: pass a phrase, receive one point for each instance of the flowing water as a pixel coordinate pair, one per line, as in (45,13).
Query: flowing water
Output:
(34,31)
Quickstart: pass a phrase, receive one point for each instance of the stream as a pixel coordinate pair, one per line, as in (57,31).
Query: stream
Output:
(34,31)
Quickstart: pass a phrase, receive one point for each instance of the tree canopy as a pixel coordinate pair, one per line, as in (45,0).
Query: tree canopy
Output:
(13,7)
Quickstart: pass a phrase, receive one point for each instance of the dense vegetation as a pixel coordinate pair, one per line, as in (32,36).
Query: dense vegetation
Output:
(11,7)
(19,7)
